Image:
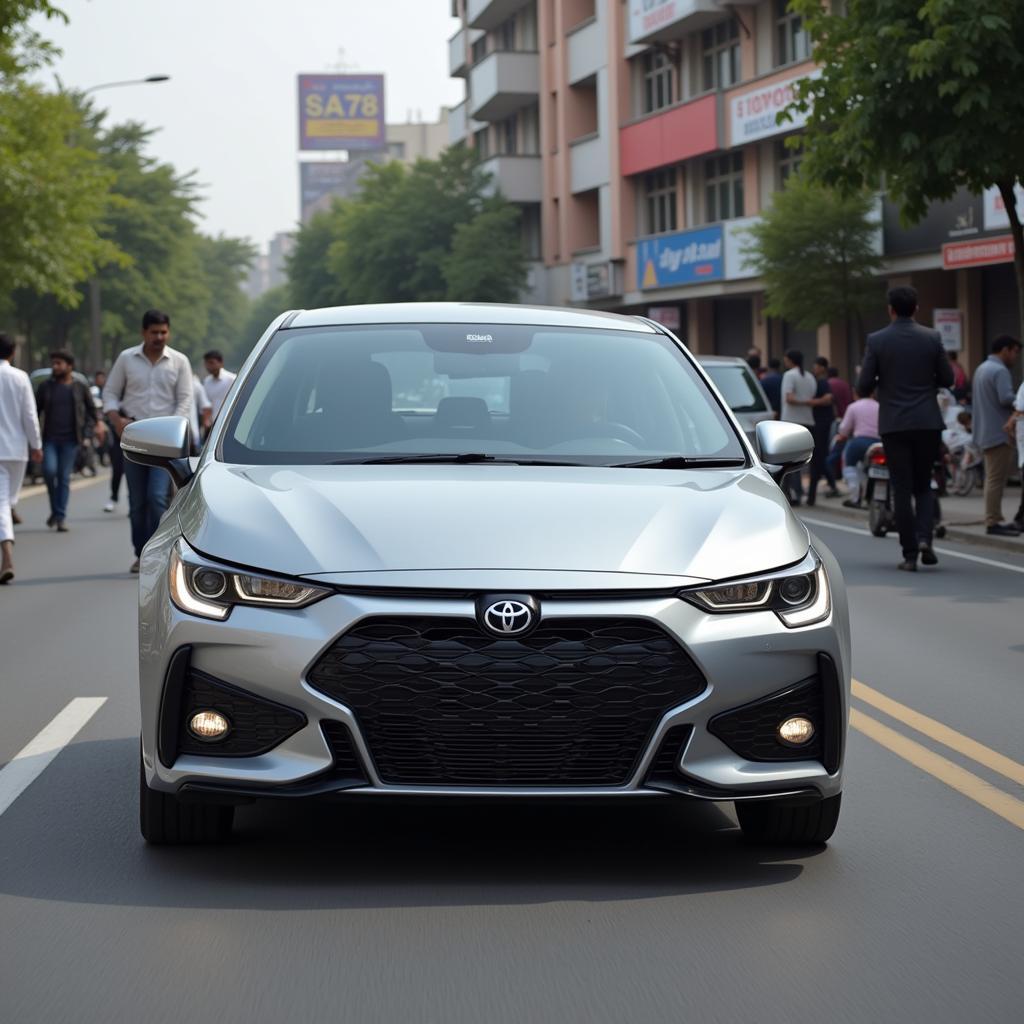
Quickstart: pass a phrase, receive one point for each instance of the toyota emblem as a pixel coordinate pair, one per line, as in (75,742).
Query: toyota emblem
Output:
(508,616)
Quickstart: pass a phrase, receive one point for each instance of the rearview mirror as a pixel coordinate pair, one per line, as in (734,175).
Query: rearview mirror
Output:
(783,447)
(163,442)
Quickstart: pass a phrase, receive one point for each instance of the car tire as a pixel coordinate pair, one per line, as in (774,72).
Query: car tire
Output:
(167,821)
(783,822)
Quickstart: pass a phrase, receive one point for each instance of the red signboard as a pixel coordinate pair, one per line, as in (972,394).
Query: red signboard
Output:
(677,134)
(978,252)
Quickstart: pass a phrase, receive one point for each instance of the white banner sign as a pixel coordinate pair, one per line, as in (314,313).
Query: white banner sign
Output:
(752,114)
(647,17)
(995,208)
(950,325)
(737,238)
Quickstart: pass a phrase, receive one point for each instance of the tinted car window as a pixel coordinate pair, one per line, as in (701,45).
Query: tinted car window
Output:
(321,395)
(737,385)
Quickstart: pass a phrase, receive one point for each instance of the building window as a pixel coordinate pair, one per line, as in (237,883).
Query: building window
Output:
(530,227)
(720,55)
(660,202)
(478,50)
(507,136)
(723,187)
(793,43)
(396,150)
(505,35)
(658,91)
(787,161)
(482,142)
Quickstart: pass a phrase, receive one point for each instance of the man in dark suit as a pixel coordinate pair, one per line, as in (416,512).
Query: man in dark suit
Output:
(906,364)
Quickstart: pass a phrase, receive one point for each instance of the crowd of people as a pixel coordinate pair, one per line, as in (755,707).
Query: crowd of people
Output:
(915,397)
(64,415)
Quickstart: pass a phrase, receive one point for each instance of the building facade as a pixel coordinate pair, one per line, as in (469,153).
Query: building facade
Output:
(640,139)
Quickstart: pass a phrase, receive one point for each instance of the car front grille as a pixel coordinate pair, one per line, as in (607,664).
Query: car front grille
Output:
(441,702)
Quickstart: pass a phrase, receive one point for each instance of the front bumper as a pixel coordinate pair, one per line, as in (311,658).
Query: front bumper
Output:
(269,653)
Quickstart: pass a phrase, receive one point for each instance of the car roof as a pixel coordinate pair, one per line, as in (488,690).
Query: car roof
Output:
(467,313)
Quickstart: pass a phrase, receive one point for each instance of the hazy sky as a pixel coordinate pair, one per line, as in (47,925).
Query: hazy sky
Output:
(230,110)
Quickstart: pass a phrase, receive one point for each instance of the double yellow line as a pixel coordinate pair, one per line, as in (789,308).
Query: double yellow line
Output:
(970,785)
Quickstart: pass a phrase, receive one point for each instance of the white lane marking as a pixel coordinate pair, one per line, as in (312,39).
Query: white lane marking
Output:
(863,532)
(31,761)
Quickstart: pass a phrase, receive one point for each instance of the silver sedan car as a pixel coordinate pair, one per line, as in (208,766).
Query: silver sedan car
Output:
(492,552)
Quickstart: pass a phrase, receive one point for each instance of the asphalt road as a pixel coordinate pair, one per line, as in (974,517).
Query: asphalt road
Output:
(624,914)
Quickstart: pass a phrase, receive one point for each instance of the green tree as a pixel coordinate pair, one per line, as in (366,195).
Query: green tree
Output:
(224,262)
(486,260)
(52,196)
(262,311)
(922,94)
(21,49)
(816,250)
(411,235)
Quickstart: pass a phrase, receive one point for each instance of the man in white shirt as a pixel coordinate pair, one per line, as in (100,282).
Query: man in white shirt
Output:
(146,381)
(218,380)
(19,434)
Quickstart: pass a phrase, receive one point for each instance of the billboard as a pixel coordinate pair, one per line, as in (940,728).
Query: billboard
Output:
(341,112)
(684,258)
(321,182)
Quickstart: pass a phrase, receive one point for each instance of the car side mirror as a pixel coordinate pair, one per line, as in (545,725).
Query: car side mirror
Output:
(163,442)
(783,447)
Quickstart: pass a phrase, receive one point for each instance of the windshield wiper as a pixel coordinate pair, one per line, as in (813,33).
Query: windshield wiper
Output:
(456,458)
(681,462)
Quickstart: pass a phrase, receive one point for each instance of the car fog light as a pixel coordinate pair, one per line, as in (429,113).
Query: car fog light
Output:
(209,582)
(209,725)
(796,731)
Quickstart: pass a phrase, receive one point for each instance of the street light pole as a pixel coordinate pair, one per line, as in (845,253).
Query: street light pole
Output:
(95,308)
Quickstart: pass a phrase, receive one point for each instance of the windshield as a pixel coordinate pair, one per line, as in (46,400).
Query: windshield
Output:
(736,383)
(514,393)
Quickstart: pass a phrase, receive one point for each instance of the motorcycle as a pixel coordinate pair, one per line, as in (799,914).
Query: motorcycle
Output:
(878,493)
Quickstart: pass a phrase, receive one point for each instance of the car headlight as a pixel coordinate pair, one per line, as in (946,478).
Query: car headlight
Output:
(210,591)
(800,597)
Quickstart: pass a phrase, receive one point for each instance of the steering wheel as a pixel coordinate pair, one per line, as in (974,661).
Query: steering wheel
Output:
(621,432)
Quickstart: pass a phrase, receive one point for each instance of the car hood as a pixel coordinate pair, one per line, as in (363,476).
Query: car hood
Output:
(388,520)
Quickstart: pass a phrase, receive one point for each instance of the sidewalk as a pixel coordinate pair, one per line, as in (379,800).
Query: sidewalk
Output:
(964,518)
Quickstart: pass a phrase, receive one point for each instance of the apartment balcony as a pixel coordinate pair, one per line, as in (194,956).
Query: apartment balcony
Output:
(659,21)
(518,178)
(458,54)
(461,127)
(503,83)
(489,14)
(588,50)
(590,166)
(677,134)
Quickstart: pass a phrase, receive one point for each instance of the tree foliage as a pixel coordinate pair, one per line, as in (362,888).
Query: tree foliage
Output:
(412,235)
(816,249)
(922,94)
(20,48)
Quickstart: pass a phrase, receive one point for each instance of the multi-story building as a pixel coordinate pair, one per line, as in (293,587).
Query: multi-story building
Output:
(640,139)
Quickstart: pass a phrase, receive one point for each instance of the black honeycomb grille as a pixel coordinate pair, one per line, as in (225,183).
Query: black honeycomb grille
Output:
(347,763)
(750,730)
(572,704)
(665,765)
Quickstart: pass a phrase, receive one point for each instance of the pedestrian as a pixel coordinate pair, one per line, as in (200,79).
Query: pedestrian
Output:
(67,415)
(823,409)
(200,416)
(772,384)
(1017,422)
(961,388)
(145,381)
(858,431)
(905,365)
(842,393)
(218,381)
(992,401)
(798,388)
(19,440)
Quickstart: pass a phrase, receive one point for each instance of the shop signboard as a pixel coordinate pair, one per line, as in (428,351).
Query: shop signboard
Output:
(979,252)
(959,217)
(995,209)
(950,325)
(649,17)
(753,114)
(667,316)
(341,112)
(738,262)
(687,257)
(594,281)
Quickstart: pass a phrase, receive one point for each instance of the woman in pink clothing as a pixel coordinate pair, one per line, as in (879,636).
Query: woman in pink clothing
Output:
(859,429)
